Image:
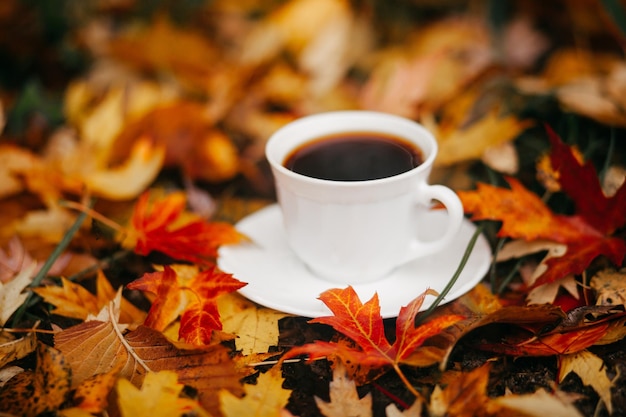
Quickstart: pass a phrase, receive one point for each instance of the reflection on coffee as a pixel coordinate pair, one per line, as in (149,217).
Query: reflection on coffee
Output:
(354,156)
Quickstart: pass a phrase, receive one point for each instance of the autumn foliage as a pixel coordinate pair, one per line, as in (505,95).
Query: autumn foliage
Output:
(131,144)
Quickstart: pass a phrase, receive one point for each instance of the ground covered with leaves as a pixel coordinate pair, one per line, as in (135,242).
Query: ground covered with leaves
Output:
(132,136)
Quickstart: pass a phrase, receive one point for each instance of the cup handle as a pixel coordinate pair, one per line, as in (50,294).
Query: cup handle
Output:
(454,207)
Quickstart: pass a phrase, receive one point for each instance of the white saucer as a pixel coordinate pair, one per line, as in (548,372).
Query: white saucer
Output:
(277,279)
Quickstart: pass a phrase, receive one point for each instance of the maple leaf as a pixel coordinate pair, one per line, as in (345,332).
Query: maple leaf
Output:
(256,327)
(524,215)
(363,324)
(164,228)
(159,396)
(464,396)
(194,299)
(73,300)
(266,398)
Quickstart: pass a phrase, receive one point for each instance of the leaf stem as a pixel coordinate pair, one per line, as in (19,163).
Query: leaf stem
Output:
(457,273)
(63,244)
(406,382)
(120,336)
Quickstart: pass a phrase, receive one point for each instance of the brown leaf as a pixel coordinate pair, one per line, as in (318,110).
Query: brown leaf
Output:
(31,393)
(97,347)
(344,398)
(465,395)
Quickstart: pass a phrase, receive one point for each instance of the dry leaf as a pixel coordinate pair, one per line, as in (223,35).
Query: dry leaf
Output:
(415,410)
(464,396)
(591,370)
(266,398)
(96,347)
(12,349)
(538,404)
(31,393)
(73,300)
(609,287)
(256,327)
(344,399)
(159,396)
(92,394)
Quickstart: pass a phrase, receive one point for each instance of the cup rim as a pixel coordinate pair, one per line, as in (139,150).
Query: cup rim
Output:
(354,114)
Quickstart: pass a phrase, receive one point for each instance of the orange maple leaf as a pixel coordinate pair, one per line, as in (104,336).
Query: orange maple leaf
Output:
(364,325)
(164,228)
(194,300)
(524,215)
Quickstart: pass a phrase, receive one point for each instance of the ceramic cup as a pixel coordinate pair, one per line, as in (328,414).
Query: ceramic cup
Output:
(353,232)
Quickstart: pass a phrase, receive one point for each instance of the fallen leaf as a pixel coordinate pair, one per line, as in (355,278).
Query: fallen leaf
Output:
(525,216)
(538,404)
(159,396)
(415,410)
(12,349)
(609,287)
(130,179)
(266,398)
(73,300)
(164,228)
(591,370)
(194,299)
(92,395)
(12,294)
(96,347)
(31,393)
(256,327)
(363,324)
(344,399)
(464,396)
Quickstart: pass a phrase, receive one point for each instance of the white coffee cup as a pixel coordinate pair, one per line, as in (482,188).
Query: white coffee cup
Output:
(353,232)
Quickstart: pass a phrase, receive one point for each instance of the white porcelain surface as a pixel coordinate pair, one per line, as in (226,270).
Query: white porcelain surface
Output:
(354,232)
(278,279)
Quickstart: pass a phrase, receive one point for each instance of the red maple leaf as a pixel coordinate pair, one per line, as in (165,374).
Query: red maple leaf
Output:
(164,228)
(193,299)
(363,324)
(524,215)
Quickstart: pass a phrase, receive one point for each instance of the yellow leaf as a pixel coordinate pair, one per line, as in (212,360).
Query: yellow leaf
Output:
(265,399)
(132,177)
(159,396)
(591,370)
(73,300)
(256,327)
(92,394)
(470,143)
(31,393)
(12,349)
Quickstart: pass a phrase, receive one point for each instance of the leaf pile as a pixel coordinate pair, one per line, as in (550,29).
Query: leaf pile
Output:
(131,142)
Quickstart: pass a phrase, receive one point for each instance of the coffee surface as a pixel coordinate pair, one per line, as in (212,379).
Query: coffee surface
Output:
(358,156)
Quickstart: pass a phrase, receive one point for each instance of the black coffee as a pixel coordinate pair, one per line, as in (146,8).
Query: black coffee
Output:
(357,156)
